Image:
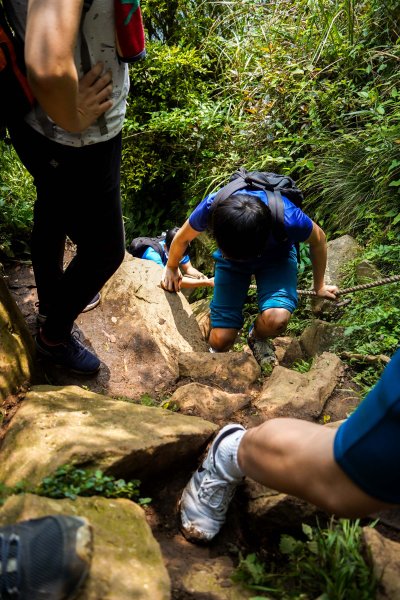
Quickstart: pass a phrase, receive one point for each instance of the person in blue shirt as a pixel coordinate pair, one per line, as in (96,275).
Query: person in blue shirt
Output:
(192,277)
(352,471)
(242,227)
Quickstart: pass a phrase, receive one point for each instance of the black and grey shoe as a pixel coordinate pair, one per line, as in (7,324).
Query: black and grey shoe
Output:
(263,351)
(44,559)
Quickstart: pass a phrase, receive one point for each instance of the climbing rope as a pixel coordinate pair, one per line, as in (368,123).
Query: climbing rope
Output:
(350,290)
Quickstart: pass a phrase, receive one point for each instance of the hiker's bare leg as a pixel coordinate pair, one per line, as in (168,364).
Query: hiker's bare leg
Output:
(222,339)
(296,457)
(271,322)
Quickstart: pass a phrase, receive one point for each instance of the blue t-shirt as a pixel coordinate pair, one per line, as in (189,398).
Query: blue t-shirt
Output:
(367,445)
(151,254)
(298,225)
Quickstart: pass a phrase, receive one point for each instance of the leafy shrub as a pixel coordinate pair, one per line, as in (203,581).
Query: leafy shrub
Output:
(71,482)
(328,563)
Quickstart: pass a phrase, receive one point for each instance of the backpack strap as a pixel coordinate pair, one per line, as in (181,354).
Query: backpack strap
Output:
(239,183)
(277,208)
(87,63)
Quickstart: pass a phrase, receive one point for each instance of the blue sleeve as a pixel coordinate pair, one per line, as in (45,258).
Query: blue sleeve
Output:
(298,225)
(151,254)
(367,444)
(185,260)
(199,217)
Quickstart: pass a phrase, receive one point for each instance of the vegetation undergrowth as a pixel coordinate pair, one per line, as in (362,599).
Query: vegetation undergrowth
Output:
(69,481)
(328,564)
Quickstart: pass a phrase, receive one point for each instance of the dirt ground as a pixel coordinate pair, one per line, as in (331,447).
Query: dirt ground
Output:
(183,558)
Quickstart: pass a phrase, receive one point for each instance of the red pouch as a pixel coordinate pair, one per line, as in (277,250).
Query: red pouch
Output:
(129,30)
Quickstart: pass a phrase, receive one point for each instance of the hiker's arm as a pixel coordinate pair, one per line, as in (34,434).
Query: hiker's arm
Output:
(172,277)
(189,269)
(191,283)
(51,34)
(318,253)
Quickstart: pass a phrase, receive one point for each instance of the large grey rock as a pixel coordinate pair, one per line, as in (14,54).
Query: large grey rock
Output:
(320,337)
(341,251)
(16,346)
(233,371)
(287,393)
(201,310)
(127,562)
(385,559)
(58,426)
(270,512)
(287,350)
(209,403)
(137,331)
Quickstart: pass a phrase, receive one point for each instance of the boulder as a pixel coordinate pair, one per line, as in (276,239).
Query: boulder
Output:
(201,310)
(138,331)
(69,425)
(287,393)
(384,556)
(209,403)
(341,251)
(16,346)
(233,371)
(127,561)
(319,337)
(287,350)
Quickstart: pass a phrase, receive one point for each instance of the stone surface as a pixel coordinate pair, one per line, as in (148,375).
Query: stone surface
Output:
(341,251)
(287,350)
(16,346)
(201,310)
(127,561)
(233,371)
(366,272)
(287,393)
(319,337)
(209,403)
(137,331)
(69,425)
(212,578)
(385,559)
(269,512)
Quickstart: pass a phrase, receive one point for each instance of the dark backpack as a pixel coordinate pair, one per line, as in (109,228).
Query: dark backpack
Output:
(16,98)
(273,185)
(140,244)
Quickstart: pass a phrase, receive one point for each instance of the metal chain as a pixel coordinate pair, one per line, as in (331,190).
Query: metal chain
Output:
(350,290)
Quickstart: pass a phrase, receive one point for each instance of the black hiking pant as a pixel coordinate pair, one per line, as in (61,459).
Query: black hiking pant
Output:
(78,195)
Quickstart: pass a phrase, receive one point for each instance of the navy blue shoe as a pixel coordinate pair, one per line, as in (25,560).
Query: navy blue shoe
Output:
(42,316)
(71,354)
(44,559)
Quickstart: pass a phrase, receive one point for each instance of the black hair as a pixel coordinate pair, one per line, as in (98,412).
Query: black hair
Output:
(171,233)
(241,225)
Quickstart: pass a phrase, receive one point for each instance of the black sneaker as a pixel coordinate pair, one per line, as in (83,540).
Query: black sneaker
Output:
(263,351)
(44,559)
(72,354)
(95,301)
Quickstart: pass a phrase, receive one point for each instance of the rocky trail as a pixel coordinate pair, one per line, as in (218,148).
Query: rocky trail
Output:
(153,355)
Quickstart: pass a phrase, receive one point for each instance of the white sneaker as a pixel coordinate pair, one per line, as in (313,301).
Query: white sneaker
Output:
(205,499)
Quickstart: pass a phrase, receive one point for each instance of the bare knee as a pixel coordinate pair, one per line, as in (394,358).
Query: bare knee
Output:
(272,321)
(222,339)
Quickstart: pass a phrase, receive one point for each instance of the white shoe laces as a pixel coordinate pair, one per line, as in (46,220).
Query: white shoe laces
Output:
(216,494)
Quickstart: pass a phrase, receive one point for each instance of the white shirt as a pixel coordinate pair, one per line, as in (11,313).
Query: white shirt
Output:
(100,37)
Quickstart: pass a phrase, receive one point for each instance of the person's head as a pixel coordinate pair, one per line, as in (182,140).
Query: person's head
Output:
(171,233)
(240,225)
